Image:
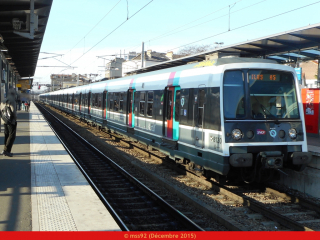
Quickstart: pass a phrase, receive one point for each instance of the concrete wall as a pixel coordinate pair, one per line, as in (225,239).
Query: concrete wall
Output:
(307,181)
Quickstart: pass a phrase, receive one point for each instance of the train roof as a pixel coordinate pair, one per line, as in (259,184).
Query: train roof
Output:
(209,63)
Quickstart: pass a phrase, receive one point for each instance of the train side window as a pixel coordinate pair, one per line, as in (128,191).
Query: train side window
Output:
(110,101)
(121,102)
(202,100)
(150,104)
(99,100)
(130,102)
(86,99)
(142,103)
(212,117)
(158,105)
(169,104)
(177,106)
(116,102)
(136,102)
(94,100)
(233,97)
(184,106)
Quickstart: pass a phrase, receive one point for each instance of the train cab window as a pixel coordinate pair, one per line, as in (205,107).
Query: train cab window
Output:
(272,94)
(150,104)
(121,102)
(142,103)
(233,95)
(201,105)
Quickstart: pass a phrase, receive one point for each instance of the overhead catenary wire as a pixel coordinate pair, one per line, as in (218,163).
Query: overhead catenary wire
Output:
(160,36)
(157,37)
(166,35)
(169,33)
(112,31)
(277,15)
(95,25)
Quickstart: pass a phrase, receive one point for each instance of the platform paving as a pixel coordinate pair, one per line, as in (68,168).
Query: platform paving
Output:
(41,188)
(15,180)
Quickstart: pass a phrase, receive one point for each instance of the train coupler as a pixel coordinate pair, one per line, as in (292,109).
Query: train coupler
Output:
(272,159)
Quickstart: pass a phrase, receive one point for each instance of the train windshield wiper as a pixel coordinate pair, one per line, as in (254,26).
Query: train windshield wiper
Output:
(264,109)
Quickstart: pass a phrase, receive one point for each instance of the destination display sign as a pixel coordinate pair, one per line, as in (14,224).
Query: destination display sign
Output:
(264,77)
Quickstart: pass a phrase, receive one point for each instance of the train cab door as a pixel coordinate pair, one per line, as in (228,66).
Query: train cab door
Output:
(130,108)
(199,108)
(171,113)
(104,105)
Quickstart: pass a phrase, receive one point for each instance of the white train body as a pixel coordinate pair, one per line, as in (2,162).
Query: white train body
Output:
(226,117)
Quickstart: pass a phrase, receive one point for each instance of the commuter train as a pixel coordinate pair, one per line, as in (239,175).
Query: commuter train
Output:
(228,118)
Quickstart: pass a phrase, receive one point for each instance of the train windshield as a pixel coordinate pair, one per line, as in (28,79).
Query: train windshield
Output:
(270,95)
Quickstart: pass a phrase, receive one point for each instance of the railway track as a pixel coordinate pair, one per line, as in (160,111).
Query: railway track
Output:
(133,205)
(263,204)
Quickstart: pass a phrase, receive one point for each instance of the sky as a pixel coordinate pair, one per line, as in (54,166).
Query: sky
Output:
(81,30)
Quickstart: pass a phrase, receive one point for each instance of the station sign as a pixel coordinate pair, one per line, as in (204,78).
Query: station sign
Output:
(310,100)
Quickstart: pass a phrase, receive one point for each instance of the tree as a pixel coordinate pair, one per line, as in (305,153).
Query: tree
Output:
(193,49)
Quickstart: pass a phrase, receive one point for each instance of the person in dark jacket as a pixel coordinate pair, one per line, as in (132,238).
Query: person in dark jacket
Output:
(10,129)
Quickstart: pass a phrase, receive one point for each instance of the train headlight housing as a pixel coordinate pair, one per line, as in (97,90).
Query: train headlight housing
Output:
(292,133)
(236,134)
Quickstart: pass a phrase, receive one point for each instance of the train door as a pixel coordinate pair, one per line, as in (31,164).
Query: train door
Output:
(171,113)
(89,102)
(130,108)
(67,101)
(80,102)
(72,101)
(199,103)
(84,104)
(104,105)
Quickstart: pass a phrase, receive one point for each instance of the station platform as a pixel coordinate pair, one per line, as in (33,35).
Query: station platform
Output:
(307,181)
(41,188)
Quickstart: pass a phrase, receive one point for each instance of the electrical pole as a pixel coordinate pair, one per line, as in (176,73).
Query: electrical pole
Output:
(229,13)
(142,55)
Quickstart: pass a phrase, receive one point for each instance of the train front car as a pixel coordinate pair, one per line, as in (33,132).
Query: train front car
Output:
(264,127)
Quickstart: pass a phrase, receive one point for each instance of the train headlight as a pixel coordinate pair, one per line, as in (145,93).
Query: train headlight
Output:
(292,133)
(236,134)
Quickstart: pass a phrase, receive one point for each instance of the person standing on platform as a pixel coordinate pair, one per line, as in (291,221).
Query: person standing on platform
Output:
(19,103)
(10,129)
(26,106)
(23,107)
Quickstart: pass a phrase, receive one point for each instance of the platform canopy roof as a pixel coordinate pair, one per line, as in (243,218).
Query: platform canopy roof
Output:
(23,51)
(298,44)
